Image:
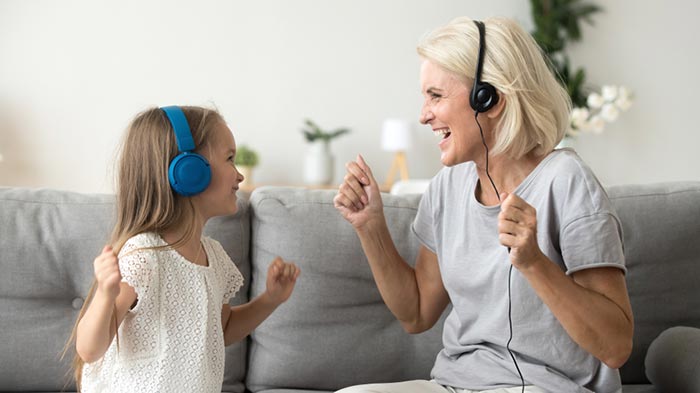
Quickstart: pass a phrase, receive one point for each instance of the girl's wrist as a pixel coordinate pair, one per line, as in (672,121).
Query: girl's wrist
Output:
(267,299)
(103,298)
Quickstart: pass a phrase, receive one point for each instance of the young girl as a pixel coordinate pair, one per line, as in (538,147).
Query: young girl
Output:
(160,286)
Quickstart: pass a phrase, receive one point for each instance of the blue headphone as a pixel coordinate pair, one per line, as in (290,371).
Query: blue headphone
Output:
(189,172)
(484,95)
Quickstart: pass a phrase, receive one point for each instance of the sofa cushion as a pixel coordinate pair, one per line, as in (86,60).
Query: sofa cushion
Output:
(661,233)
(233,232)
(335,330)
(48,240)
(639,389)
(673,360)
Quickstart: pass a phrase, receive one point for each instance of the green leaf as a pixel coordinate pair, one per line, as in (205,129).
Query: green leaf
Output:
(558,22)
(313,132)
(246,156)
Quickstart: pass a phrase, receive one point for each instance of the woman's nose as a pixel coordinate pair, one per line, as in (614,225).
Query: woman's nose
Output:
(425,115)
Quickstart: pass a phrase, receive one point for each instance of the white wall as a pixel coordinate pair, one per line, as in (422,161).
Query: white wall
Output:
(73,73)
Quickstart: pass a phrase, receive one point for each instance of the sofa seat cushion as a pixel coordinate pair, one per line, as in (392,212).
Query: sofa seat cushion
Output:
(335,330)
(661,233)
(639,389)
(48,241)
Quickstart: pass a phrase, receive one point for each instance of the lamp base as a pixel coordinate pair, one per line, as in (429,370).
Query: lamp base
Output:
(399,163)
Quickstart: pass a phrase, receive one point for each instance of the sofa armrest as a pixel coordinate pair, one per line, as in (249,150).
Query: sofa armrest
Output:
(672,362)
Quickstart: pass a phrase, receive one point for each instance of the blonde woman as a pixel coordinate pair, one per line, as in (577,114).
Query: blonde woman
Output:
(161,287)
(520,238)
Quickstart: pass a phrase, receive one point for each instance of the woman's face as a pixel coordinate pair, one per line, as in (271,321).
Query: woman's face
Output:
(446,109)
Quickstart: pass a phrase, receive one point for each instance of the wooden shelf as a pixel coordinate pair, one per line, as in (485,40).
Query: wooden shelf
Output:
(250,188)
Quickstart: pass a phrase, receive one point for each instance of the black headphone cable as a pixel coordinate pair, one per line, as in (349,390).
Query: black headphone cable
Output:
(510,270)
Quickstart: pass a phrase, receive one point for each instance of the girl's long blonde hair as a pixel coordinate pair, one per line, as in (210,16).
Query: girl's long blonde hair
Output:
(144,200)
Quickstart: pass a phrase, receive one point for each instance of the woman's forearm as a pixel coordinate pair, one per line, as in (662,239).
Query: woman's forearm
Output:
(395,279)
(595,322)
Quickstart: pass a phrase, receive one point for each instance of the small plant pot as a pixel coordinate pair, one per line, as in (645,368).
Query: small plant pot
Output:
(318,164)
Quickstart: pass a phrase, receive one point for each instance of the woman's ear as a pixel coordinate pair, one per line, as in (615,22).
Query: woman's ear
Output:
(495,112)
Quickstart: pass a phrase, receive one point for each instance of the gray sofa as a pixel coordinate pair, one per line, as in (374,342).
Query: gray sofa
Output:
(335,331)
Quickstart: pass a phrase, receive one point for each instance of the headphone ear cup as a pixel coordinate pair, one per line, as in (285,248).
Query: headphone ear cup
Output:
(483,97)
(189,174)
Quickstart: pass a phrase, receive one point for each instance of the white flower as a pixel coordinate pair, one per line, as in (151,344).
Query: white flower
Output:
(623,103)
(601,108)
(596,124)
(609,112)
(579,116)
(595,101)
(624,92)
(609,92)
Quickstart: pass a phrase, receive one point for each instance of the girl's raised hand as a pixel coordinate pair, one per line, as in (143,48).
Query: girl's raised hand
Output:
(358,199)
(107,273)
(281,278)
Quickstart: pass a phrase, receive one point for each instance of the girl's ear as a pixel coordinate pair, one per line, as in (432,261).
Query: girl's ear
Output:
(495,112)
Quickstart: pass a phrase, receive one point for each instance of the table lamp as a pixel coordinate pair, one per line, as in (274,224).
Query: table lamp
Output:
(396,137)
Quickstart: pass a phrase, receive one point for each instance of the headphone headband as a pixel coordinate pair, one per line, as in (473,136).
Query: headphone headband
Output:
(482,48)
(183,135)
(188,173)
(483,96)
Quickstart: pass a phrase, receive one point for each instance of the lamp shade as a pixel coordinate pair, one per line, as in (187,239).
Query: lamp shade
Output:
(396,135)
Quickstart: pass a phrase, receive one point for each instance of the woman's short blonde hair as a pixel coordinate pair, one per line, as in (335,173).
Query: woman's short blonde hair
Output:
(536,108)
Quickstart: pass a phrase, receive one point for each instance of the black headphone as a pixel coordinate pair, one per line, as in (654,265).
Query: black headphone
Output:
(483,96)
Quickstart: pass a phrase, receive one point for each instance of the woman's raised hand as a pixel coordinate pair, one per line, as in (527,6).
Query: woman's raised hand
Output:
(107,273)
(358,198)
(517,230)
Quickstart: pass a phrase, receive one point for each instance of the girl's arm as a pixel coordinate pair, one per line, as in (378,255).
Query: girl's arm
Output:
(239,321)
(97,327)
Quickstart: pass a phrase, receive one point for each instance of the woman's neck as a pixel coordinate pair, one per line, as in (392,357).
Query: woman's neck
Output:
(507,174)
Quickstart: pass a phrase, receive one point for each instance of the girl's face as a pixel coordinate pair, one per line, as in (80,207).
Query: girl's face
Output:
(220,198)
(446,109)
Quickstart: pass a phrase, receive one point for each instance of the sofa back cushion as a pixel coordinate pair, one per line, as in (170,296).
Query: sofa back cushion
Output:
(661,229)
(335,330)
(48,240)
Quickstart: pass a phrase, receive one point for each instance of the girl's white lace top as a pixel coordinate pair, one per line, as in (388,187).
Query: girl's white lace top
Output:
(172,340)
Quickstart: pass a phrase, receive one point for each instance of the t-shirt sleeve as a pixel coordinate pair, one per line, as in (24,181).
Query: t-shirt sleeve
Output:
(136,265)
(231,278)
(424,223)
(592,241)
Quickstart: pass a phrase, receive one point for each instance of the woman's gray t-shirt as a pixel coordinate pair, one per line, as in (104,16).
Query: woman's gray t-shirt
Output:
(576,228)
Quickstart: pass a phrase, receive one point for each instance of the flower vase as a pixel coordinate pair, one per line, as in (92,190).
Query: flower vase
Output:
(318,164)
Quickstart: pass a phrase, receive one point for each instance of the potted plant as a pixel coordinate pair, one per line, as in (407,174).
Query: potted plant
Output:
(246,160)
(319,162)
(558,22)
